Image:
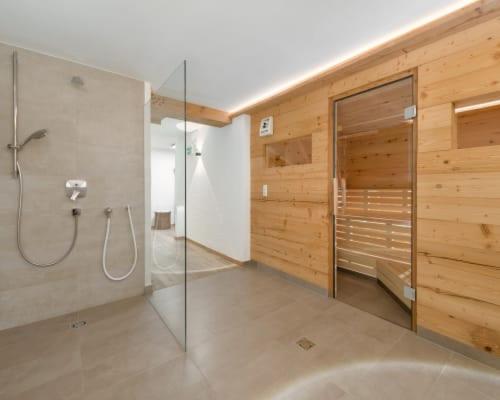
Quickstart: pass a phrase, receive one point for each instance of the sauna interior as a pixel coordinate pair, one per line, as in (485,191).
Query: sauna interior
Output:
(373,182)
(250,200)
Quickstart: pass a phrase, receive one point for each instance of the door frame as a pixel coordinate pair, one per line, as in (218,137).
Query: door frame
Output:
(332,268)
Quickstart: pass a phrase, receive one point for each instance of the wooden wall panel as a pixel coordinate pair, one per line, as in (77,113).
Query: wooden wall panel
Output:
(458,192)
(378,161)
(292,237)
(290,226)
(458,200)
(435,128)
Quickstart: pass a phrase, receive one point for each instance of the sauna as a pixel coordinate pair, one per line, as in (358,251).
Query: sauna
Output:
(373,199)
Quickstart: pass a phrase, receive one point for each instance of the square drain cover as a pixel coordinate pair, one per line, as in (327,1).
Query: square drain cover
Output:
(305,344)
(78,324)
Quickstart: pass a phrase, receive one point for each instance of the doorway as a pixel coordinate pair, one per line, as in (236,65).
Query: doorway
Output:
(373,169)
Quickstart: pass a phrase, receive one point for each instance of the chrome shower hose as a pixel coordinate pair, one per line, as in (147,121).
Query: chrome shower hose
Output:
(19,226)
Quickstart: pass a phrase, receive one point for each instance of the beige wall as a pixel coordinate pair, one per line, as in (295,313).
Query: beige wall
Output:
(96,132)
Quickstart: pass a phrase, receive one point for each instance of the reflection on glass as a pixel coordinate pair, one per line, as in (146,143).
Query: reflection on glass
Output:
(168,205)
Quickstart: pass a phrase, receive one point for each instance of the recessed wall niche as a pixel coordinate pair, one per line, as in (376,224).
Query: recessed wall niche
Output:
(289,152)
(478,127)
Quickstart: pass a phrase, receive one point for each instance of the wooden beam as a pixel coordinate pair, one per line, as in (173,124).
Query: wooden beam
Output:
(163,107)
(466,17)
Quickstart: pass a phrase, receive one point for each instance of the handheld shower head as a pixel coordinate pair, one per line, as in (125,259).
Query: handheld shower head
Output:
(35,135)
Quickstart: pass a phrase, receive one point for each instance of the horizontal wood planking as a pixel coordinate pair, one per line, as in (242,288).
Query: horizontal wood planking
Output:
(436,127)
(463,210)
(297,200)
(466,74)
(378,160)
(460,185)
(458,200)
(471,160)
(357,262)
(395,276)
(292,235)
(299,222)
(374,109)
(456,326)
(306,112)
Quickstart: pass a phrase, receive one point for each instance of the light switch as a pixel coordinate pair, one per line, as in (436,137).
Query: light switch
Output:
(264,190)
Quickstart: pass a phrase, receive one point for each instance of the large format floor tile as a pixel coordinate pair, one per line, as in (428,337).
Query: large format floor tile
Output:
(243,329)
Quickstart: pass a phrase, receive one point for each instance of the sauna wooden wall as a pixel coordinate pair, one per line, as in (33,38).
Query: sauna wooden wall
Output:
(458,194)
(458,269)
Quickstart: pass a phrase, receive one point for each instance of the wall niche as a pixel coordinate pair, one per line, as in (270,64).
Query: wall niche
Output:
(295,151)
(478,125)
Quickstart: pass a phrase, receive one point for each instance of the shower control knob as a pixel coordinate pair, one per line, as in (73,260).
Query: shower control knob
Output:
(76,189)
(76,212)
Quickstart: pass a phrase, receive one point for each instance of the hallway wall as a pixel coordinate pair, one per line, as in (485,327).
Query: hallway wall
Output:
(95,132)
(218,189)
(162,181)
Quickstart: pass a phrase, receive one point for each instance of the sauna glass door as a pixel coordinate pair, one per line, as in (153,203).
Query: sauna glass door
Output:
(373,169)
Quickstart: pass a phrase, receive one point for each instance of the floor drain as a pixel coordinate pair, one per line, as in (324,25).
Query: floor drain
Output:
(78,324)
(305,344)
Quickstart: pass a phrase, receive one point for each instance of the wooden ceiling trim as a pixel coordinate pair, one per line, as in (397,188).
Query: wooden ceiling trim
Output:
(163,107)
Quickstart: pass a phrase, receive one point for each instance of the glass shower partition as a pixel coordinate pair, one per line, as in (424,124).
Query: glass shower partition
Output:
(168,236)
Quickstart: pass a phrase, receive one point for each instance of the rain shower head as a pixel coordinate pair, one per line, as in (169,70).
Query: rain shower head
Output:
(35,135)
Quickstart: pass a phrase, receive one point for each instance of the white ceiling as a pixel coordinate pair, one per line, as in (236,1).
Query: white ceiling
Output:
(237,51)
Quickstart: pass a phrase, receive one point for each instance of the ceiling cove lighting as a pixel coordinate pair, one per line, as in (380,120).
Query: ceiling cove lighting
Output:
(370,46)
(190,126)
(478,106)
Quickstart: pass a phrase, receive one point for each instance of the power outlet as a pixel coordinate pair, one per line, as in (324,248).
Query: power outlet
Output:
(264,190)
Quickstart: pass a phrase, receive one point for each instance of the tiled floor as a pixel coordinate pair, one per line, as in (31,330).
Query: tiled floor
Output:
(243,329)
(366,294)
(168,260)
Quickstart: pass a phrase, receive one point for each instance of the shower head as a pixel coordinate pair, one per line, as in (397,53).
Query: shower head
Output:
(35,135)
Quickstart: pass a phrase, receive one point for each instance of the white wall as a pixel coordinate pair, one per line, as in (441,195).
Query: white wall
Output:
(162,181)
(218,189)
(180,184)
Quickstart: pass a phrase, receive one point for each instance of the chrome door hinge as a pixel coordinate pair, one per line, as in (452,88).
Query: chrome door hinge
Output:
(409,293)
(410,112)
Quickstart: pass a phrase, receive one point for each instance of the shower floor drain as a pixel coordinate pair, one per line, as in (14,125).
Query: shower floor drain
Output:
(305,344)
(78,324)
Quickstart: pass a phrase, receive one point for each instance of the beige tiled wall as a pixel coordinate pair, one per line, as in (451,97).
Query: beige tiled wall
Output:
(95,133)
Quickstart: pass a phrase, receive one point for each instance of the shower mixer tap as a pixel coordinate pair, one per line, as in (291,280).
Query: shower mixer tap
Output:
(76,189)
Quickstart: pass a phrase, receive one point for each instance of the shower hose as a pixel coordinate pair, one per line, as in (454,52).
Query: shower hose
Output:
(76,213)
(105,250)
